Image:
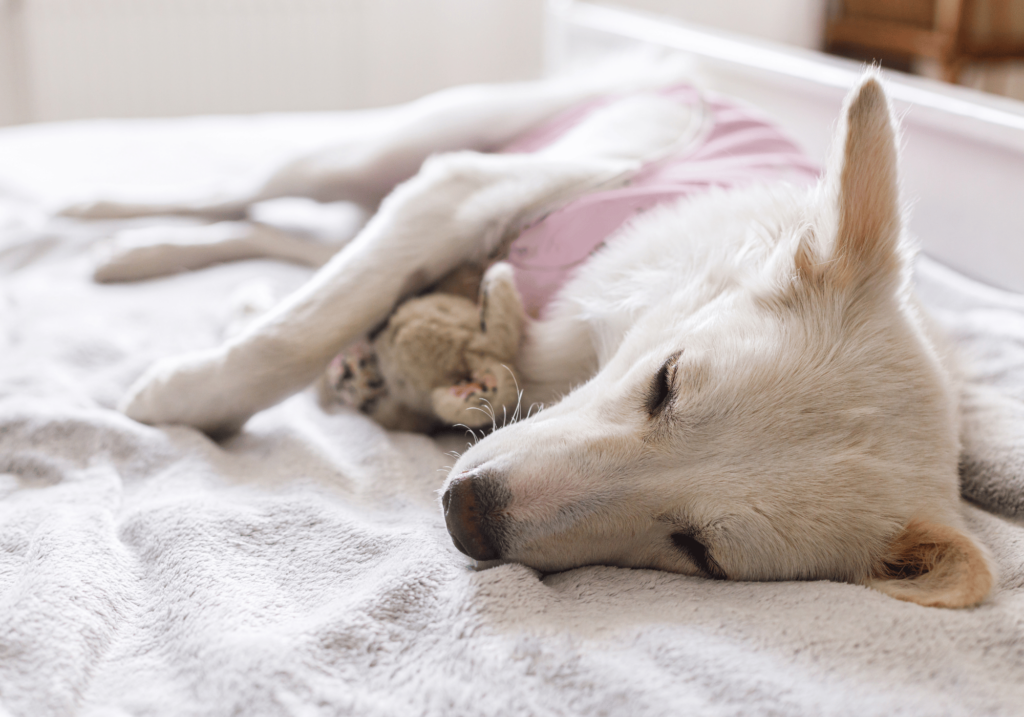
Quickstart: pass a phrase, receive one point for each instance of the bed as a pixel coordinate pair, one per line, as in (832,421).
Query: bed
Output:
(302,566)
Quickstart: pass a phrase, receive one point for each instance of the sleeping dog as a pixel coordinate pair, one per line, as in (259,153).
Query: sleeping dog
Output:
(739,383)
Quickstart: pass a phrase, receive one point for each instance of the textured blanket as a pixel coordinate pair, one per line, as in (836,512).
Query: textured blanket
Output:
(302,567)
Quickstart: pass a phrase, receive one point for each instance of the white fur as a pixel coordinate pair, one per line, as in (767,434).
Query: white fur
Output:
(810,427)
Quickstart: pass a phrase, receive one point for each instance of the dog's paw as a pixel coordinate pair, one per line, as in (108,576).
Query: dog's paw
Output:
(157,251)
(190,389)
(137,254)
(98,209)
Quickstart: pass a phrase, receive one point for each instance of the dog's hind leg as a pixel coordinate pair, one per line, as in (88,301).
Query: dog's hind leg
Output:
(157,251)
(388,146)
(458,208)
(363,170)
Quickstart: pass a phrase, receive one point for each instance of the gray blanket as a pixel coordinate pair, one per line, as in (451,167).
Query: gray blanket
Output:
(987,328)
(302,567)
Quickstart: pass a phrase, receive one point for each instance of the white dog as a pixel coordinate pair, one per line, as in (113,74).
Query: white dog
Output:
(739,386)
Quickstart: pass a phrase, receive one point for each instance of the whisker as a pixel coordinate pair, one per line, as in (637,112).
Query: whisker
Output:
(470,431)
(490,408)
(517,414)
(494,425)
(513,375)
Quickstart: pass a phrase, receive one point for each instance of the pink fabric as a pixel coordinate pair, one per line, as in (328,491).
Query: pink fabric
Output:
(740,146)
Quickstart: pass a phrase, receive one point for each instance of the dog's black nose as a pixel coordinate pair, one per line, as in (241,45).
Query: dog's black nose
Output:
(473,507)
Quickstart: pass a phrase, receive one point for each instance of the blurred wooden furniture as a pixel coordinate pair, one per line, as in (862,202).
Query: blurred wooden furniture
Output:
(942,30)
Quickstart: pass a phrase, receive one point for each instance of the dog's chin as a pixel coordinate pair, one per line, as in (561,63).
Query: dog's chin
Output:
(481,565)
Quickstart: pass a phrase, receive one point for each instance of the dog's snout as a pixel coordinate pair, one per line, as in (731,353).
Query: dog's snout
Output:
(473,512)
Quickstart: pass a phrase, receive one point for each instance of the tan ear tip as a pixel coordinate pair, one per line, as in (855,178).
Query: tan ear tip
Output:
(936,566)
(870,94)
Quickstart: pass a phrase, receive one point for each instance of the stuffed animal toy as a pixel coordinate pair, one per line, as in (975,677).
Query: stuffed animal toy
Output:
(441,359)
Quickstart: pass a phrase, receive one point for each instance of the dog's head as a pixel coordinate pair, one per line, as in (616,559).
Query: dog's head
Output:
(793,424)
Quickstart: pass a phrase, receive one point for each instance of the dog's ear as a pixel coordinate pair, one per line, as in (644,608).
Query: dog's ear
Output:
(933,565)
(866,186)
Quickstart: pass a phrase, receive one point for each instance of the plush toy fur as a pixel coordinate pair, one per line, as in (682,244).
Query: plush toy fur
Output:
(441,359)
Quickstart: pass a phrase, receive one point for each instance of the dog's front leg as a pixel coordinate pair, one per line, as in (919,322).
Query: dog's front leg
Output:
(457,209)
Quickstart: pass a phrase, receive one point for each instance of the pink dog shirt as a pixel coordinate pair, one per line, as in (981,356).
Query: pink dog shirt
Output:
(736,146)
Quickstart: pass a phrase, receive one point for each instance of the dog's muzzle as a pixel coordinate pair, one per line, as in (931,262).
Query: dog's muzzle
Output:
(474,512)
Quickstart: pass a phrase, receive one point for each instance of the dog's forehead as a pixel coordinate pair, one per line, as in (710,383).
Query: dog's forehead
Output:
(718,335)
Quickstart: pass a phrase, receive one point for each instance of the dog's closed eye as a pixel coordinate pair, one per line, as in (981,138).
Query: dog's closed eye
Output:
(699,554)
(663,386)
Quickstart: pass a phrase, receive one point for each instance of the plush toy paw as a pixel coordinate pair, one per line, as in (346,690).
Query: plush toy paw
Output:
(472,403)
(465,391)
(355,377)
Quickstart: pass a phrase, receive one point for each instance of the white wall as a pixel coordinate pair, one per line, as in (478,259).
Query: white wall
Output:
(125,58)
(67,59)
(11,79)
(794,22)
